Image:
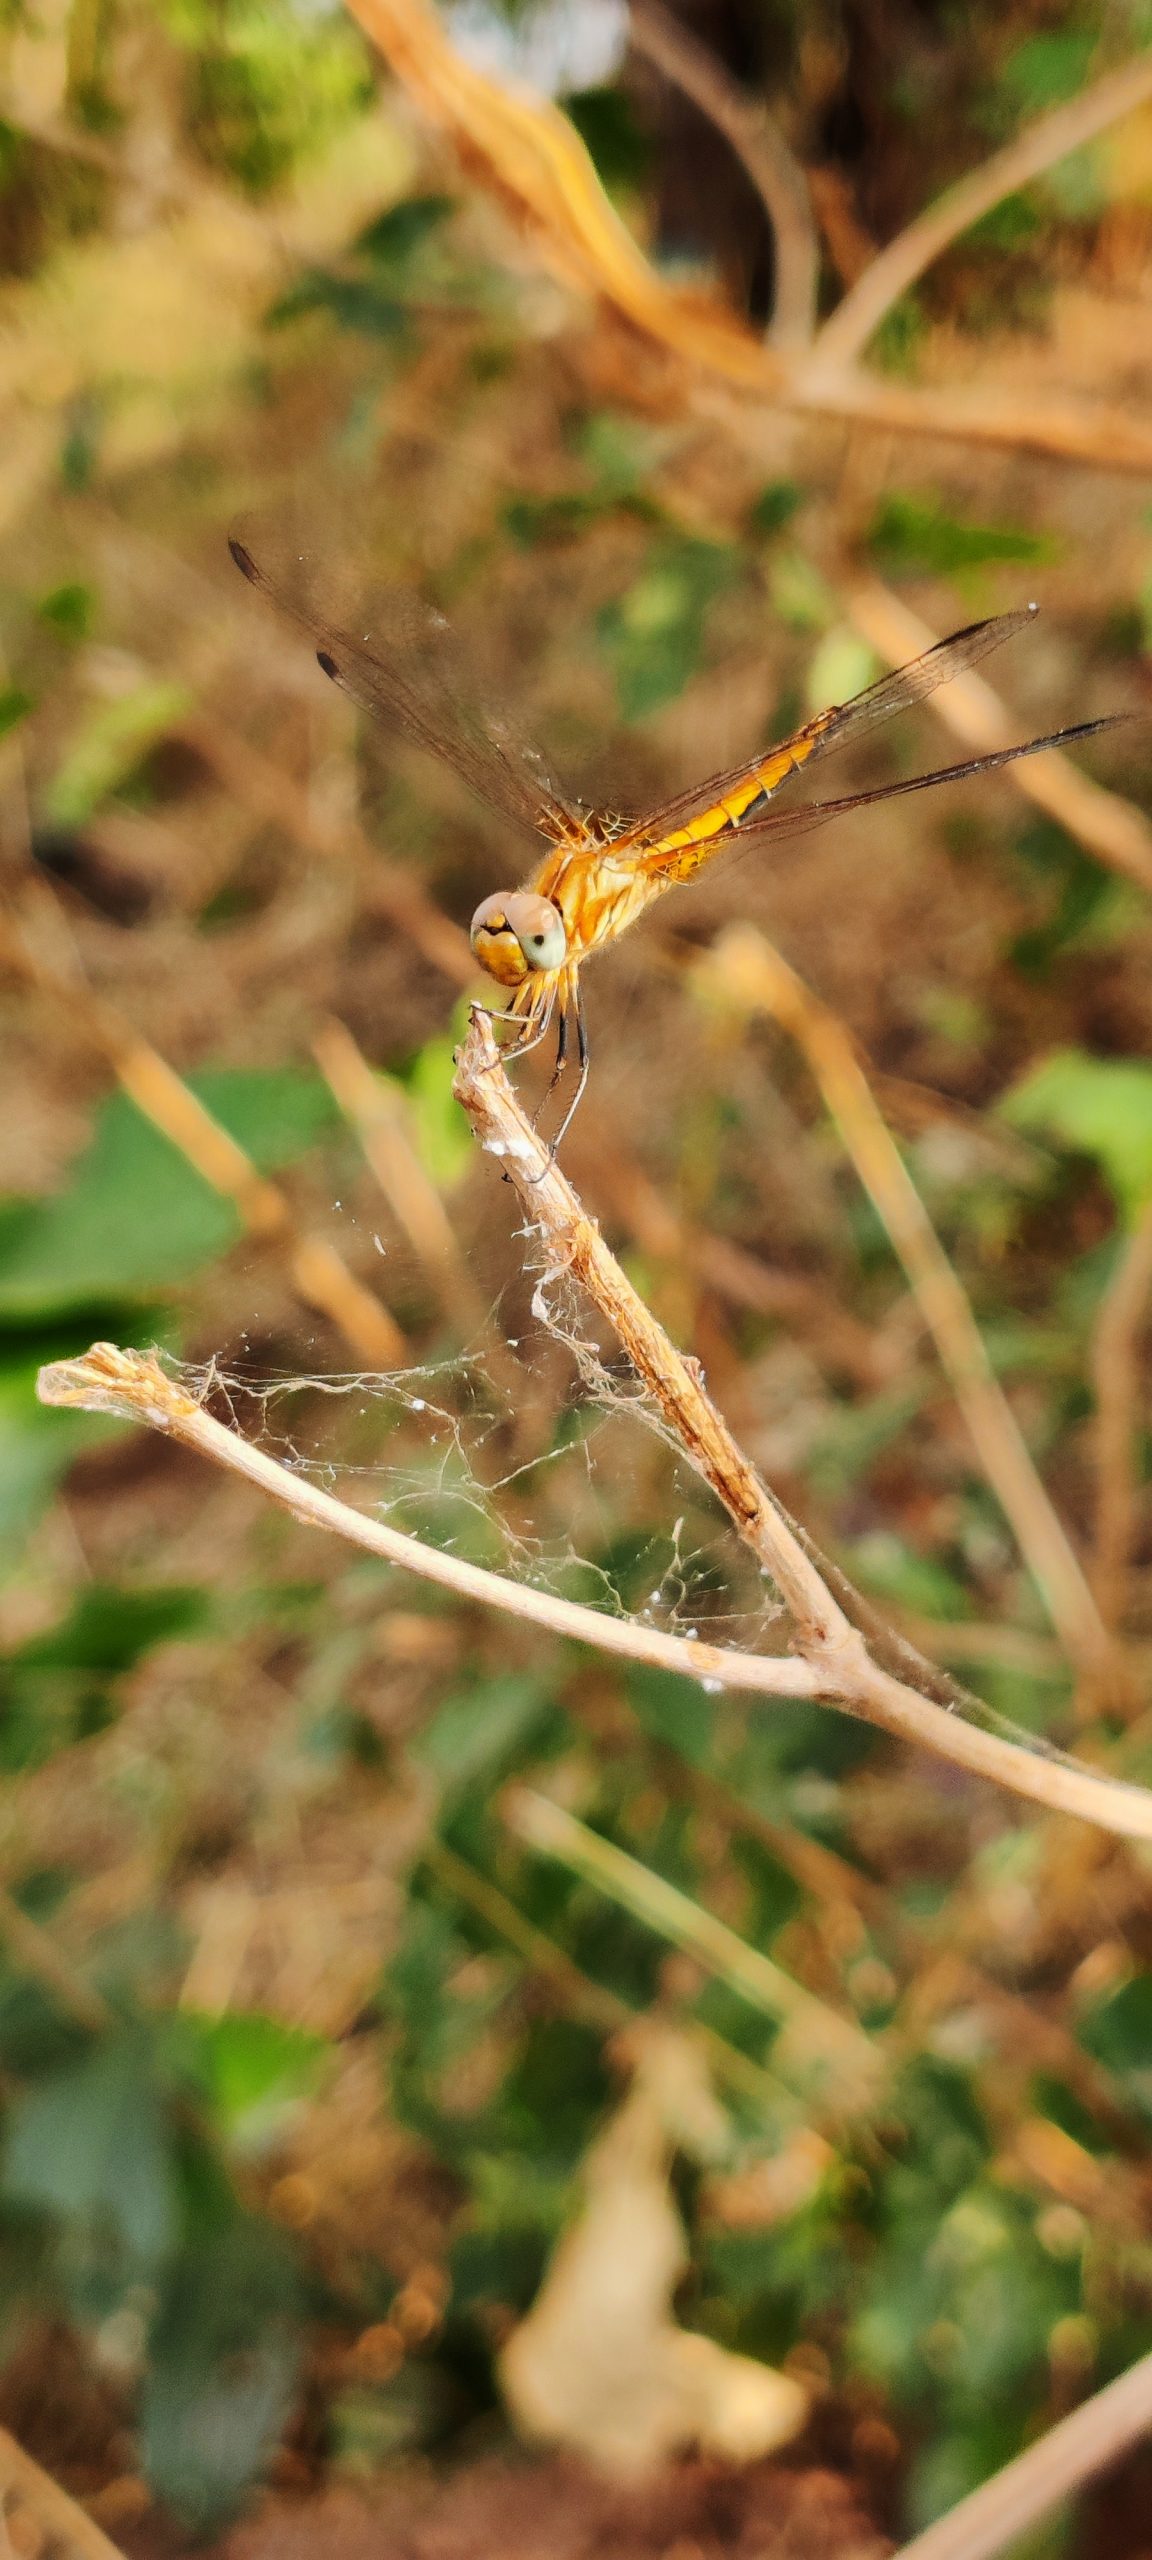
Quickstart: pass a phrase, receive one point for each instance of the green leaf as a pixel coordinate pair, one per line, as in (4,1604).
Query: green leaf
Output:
(612,135)
(842,664)
(442,1132)
(910,534)
(678,1712)
(1119,2033)
(15,705)
(361,304)
(1101,1107)
(394,236)
(92,2147)
(54,1689)
(480,1732)
(37,1446)
(252,2070)
(107,747)
(222,2368)
(652,636)
(69,610)
(774,508)
(109,1627)
(1046,69)
(136,1217)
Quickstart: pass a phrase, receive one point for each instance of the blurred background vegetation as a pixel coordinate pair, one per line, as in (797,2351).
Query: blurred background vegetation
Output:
(303,2043)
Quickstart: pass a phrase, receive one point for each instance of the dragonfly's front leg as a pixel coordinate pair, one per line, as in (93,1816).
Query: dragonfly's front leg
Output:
(530,1027)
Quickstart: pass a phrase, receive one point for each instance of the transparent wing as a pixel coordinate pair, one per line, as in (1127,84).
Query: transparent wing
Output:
(407,671)
(838,727)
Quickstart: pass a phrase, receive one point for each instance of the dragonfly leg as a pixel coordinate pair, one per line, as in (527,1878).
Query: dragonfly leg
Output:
(529,1031)
(558,1069)
(582,1078)
(581,1081)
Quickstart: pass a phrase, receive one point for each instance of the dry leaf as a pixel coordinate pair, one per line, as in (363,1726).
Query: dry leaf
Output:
(599,2364)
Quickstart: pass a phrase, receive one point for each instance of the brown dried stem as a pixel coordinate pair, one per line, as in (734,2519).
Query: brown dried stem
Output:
(1116,1375)
(834,1666)
(1005,2507)
(51,2520)
(1039,147)
(536,164)
(757,141)
(745,971)
(824,1636)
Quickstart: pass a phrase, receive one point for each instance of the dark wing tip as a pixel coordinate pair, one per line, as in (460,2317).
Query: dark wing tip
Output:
(244,560)
(325,660)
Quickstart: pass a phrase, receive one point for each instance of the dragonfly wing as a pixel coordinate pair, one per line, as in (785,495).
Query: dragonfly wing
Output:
(711,807)
(405,669)
(784,823)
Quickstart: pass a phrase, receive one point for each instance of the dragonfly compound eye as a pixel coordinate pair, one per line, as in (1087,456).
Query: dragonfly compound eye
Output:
(516,935)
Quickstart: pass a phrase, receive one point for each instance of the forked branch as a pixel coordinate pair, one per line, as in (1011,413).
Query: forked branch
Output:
(829,1658)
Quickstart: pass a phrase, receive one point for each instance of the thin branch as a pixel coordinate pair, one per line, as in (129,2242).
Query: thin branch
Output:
(744,970)
(819,2041)
(1088,431)
(1106,824)
(1006,2506)
(55,2518)
(537,165)
(592,2000)
(541,168)
(132,1385)
(1116,1375)
(381,1116)
(1040,146)
(824,1635)
(757,141)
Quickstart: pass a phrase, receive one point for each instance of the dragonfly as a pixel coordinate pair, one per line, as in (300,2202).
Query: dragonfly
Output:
(597,872)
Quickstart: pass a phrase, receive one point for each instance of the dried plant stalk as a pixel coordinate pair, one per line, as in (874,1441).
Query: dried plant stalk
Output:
(133,1386)
(756,139)
(830,1659)
(1005,2507)
(745,969)
(44,2516)
(1040,146)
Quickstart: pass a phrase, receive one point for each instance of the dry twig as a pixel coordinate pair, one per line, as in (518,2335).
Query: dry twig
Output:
(48,2521)
(744,971)
(1041,145)
(537,165)
(830,1659)
(756,139)
(1005,2507)
(836,1668)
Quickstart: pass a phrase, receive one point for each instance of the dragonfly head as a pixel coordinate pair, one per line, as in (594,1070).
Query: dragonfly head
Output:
(517,936)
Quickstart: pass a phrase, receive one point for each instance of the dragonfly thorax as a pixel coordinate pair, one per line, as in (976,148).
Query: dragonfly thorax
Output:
(516,935)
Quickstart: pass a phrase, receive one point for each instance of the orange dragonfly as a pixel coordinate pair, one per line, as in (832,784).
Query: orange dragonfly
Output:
(600,873)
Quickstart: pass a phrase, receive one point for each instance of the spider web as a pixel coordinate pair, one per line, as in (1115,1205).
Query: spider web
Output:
(444,1461)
